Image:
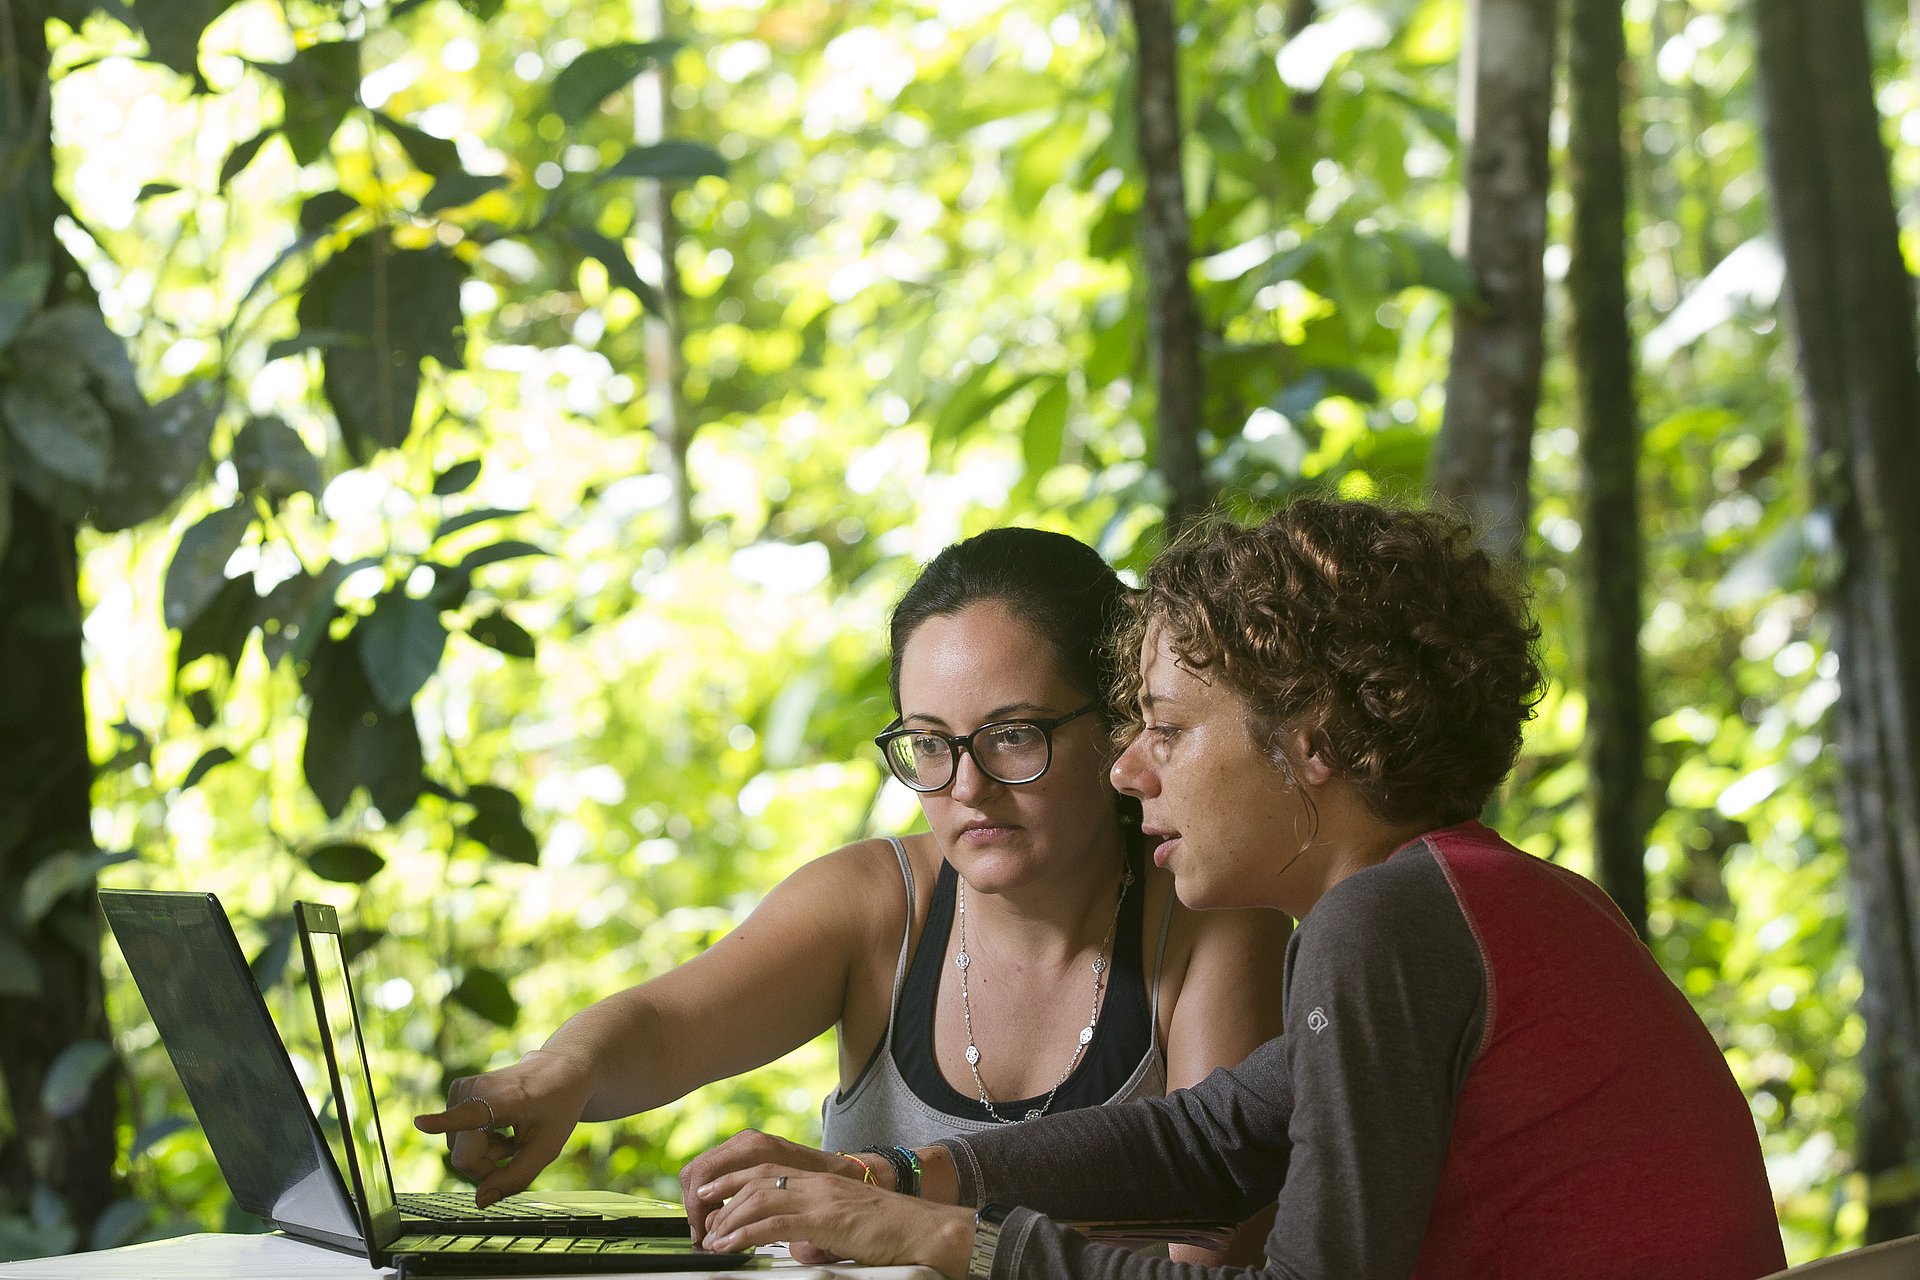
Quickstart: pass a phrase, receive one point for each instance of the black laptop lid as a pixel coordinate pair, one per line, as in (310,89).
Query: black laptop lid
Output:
(190,970)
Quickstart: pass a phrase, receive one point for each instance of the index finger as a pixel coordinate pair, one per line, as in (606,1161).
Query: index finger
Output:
(471,1114)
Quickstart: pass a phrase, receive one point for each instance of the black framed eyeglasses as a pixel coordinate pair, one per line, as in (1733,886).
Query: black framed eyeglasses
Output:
(1009,751)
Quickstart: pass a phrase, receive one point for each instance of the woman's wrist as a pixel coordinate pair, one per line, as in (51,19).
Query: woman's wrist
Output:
(953,1243)
(875,1173)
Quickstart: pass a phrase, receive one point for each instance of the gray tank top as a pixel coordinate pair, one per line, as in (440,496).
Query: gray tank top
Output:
(883,1110)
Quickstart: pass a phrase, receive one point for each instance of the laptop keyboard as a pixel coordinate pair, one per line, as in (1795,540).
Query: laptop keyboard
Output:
(536,1244)
(458,1206)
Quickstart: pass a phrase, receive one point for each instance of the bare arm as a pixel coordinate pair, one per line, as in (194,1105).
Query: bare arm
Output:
(774,983)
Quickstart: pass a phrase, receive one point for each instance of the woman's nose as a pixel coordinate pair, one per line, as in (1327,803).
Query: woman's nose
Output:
(968,779)
(1132,774)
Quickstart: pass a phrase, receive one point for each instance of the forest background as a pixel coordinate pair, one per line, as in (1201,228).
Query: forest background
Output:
(465,452)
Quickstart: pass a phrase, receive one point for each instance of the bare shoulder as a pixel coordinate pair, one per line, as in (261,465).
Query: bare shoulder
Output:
(1219,964)
(857,878)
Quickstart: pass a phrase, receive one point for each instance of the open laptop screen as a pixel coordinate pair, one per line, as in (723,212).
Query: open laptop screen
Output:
(190,970)
(340,1027)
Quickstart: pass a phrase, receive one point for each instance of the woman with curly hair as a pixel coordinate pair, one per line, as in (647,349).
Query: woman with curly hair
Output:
(1483,1072)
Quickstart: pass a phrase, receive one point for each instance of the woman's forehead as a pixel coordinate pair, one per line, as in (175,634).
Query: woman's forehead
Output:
(986,656)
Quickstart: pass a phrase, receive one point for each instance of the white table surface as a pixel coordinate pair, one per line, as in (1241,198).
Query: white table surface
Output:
(278,1257)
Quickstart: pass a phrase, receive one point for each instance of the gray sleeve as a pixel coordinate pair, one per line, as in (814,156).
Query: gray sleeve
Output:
(1217,1150)
(1352,1107)
(1386,1004)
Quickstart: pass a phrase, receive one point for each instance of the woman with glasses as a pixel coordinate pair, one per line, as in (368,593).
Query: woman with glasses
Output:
(1020,958)
(1484,1071)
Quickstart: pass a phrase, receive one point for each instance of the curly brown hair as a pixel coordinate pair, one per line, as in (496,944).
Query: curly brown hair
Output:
(1383,633)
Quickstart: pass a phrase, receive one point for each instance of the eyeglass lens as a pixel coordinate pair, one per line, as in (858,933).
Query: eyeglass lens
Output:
(1011,752)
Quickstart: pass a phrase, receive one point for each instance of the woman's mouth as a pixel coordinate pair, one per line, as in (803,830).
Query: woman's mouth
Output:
(1169,841)
(985,832)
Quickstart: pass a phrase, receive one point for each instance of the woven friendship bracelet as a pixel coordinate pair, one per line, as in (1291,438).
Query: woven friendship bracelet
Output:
(866,1170)
(913,1162)
(903,1176)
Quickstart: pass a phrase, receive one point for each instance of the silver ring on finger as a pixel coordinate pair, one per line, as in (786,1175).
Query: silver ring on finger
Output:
(492,1125)
(780,1183)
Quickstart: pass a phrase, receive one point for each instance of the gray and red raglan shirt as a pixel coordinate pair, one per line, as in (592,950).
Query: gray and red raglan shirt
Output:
(1484,1074)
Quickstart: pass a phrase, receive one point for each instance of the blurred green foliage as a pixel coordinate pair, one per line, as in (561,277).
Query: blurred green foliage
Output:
(913,311)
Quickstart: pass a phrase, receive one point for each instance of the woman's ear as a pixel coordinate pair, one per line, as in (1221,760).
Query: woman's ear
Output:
(1314,761)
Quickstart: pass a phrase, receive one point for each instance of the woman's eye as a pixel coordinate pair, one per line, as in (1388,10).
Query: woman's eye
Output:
(1013,737)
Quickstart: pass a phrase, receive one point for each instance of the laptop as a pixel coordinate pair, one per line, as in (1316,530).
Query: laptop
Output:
(429,1250)
(276,1158)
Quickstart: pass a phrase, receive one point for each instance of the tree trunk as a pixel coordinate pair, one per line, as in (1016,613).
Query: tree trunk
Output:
(50,994)
(666,360)
(46,781)
(1493,385)
(1851,303)
(1173,316)
(1609,454)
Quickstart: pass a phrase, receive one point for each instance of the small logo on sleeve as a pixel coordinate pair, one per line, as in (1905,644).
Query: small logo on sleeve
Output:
(1317,1020)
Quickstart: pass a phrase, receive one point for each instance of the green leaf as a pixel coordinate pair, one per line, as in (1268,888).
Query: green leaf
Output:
(405,299)
(222,627)
(1046,430)
(19,975)
(157,1132)
(345,862)
(207,763)
(666,160)
(597,74)
(372,397)
(400,645)
(319,85)
(69,380)
(484,10)
(499,632)
(242,155)
(119,1223)
(273,461)
(451,190)
(269,964)
(373,386)
(457,478)
(608,253)
(510,550)
(173,29)
(295,615)
(21,292)
(487,994)
(71,1077)
(430,153)
(324,208)
(973,404)
(352,741)
(467,519)
(157,455)
(499,823)
(153,190)
(58,875)
(198,569)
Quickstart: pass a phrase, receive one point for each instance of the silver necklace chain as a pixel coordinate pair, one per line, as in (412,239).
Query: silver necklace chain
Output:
(963,961)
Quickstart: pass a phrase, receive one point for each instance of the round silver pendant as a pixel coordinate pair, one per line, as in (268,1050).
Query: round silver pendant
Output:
(973,1055)
(1086,1034)
(1032,1115)
(961,960)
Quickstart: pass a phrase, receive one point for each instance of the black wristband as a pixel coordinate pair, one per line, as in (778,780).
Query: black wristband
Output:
(903,1180)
